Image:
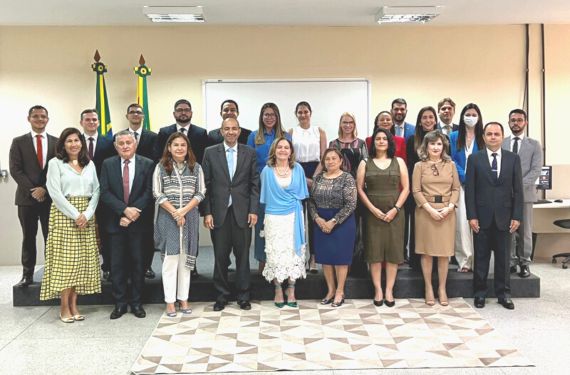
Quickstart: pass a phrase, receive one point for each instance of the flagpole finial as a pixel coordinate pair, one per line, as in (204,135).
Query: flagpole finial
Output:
(97,56)
(141,60)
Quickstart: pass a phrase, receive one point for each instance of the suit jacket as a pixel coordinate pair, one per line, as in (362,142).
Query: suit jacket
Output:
(458,156)
(103,150)
(215,136)
(146,144)
(198,141)
(530,153)
(25,169)
(243,188)
(112,193)
(488,197)
(454,127)
(409,130)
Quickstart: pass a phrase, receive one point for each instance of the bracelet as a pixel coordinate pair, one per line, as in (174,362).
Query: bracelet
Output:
(397,208)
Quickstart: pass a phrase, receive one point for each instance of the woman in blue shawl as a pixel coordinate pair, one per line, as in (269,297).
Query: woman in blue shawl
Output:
(283,188)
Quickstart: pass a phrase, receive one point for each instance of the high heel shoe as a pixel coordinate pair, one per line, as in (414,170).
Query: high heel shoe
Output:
(429,298)
(69,319)
(327,301)
(338,304)
(187,310)
(443,301)
(279,304)
(389,303)
(291,286)
(378,303)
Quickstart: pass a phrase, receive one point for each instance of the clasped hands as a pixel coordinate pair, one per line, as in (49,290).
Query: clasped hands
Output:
(326,226)
(39,193)
(388,216)
(131,215)
(438,214)
(209,221)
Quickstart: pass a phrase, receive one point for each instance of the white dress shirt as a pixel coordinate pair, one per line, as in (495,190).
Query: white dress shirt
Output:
(131,171)
(521,137)
(94,136)
(499,158)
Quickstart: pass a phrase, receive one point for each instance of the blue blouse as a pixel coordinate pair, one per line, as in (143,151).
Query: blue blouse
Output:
(458,156)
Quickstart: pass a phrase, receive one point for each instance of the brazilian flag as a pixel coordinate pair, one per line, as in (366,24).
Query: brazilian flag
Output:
(142,71)
(102,103)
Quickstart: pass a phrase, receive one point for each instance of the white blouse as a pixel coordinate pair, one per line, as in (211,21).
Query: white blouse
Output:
(64,181)
(307,144)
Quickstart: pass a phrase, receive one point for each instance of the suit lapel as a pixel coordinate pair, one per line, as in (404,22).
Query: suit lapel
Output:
(487,163)
(223,159)
(118,171)
(137,179)
(240,158)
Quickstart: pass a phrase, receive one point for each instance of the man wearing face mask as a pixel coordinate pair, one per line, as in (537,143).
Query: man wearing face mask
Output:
(399,111)
(468,139)
(228,109)
(529,151)
(446,111)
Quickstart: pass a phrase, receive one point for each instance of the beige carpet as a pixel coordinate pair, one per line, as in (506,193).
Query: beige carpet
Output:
(357,335)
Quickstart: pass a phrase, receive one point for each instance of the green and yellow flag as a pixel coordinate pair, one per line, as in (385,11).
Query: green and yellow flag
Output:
(142,71)
(101,102)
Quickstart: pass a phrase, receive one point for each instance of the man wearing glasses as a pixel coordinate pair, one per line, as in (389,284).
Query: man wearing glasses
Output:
(198,136)
(146,140)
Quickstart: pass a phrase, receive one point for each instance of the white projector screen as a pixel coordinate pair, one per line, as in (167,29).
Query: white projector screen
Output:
(328,98)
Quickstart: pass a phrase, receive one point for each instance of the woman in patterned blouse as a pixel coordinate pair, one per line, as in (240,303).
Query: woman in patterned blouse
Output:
(178,186)
(331,205)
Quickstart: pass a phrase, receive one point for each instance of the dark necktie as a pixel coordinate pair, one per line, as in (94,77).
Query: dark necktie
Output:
(183,130)
(136,136)
(90,148)
(516,145)
(494,165)
(126,182)
(40,151)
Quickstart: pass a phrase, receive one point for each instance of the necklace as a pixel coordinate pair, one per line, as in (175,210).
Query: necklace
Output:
(74,162)
(282,172)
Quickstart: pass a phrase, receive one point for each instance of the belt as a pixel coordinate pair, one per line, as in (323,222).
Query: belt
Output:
(436,198)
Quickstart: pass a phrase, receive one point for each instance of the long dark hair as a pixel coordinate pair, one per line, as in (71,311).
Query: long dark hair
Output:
(167,161)
(277,128)
(61,154)
(478,128)
(391,145)
(420,132)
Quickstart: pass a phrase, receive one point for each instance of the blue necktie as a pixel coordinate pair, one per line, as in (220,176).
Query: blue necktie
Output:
(230,158)
(494,165)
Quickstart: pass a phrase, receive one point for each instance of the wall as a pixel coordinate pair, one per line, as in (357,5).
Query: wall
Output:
(51,66)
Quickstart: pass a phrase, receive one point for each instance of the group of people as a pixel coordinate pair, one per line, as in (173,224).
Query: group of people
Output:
(406,193)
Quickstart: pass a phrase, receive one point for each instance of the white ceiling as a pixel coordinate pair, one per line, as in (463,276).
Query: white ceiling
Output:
(281,12)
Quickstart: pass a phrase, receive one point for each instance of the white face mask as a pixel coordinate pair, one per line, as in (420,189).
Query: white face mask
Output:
(470,120)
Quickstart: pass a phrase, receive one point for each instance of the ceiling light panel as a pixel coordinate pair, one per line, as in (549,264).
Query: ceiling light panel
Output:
(174,14)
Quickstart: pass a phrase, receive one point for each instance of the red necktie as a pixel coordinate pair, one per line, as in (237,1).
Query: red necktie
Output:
(126,182)
(90,148)
(40,151)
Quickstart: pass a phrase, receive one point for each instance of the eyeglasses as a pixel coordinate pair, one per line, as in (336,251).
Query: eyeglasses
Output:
(182,110)
(434,170)
(269,115)
(135,112)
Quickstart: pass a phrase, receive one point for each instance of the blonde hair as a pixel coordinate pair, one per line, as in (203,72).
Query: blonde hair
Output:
(433,136)
(354,132)
(272,159)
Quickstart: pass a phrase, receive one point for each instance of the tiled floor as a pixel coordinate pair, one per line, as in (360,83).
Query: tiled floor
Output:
(357,335)
(33,341)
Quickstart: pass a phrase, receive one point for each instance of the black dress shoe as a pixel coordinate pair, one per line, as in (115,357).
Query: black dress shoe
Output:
(107,275)
(389,303)
(507,303)
(220,305)
(25,282)
(479,302)
(513,269)
(149,274)
(118,312)
(525,271)
(244,305)
(378,303)
(138,311)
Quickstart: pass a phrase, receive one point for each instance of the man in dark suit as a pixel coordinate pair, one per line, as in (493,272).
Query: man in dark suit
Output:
(197,135)
(399,111)
(446,111)
(230,210)
(494,202)
(146,140)
(126,190)
(29,156)
(530,153)
(228,109)
(99,148)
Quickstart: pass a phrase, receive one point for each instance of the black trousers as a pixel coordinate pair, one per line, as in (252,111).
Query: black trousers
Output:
(29,217)
(104,248)
(127,262)
(226,238)
(498,241)
(148,238)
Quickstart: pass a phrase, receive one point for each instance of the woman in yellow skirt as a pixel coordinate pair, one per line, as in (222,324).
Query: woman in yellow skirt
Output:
(72,255)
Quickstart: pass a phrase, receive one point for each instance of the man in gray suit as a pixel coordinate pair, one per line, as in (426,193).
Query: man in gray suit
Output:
(230,209)
(530,153)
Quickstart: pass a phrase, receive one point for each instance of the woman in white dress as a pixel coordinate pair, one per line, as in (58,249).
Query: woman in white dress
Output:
(283,188)
(309,143)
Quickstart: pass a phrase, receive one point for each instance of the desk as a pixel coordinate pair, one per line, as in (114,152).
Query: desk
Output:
(552,239)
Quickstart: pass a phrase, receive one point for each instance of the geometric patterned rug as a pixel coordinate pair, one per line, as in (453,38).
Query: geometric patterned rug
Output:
(358,335)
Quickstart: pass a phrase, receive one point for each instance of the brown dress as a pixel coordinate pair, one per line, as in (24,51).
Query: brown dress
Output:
(383,241)
(430,180)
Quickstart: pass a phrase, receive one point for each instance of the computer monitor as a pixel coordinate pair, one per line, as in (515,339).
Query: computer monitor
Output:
(544,181)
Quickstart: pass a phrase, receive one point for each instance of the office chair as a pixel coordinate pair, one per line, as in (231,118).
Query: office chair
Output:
(565,223)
